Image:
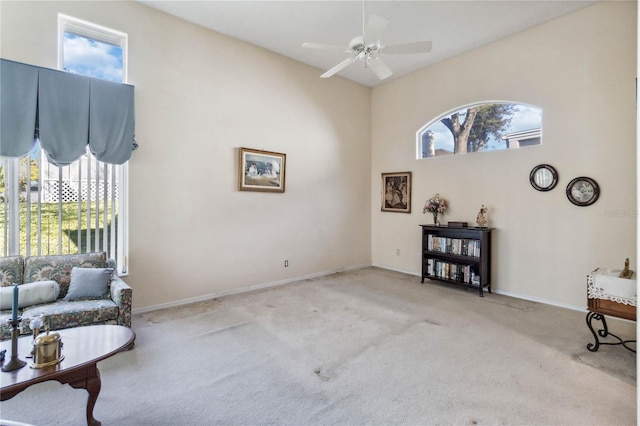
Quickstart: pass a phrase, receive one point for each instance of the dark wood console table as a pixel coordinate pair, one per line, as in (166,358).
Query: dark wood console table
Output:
(83,348)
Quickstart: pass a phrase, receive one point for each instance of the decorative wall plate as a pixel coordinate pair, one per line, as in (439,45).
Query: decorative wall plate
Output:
(583,191)
(543,177)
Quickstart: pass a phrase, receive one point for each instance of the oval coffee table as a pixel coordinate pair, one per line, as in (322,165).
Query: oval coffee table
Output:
(83,348)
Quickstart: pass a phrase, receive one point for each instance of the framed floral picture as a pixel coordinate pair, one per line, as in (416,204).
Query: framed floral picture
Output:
(396,192)
(261,170)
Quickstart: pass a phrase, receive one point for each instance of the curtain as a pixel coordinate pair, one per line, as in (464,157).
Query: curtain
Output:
(18,105)
(67,112)
(63,114)
(111,103)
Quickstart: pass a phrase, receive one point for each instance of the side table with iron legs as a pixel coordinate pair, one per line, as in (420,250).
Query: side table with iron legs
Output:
(609,295)
(604,332)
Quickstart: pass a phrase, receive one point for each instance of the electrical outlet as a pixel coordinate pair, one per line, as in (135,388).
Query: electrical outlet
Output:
(286,263)
(397,252)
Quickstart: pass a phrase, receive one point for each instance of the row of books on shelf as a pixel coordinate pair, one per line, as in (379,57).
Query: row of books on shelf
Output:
(461,246)
(452,271)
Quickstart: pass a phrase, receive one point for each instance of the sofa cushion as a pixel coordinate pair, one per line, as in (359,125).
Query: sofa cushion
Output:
(5,327)
(11,268)
(30,294)
(63,314)
(58,267)
(89,283)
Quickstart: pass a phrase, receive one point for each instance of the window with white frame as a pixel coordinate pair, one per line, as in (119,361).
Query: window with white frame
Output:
(480,127)
(82,207)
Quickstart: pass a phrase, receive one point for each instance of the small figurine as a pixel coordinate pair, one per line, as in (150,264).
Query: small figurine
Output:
(626,273)
(480,219)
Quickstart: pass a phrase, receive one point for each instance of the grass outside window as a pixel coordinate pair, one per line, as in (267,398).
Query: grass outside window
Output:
(73,234)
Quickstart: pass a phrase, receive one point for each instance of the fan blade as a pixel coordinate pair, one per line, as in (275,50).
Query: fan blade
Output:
(401,49)
(339,67)
(325,47)
(380,68)
(375,27)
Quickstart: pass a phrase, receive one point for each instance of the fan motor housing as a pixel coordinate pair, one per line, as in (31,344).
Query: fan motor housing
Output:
(357,45)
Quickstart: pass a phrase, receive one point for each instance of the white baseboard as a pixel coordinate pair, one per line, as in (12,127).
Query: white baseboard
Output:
(402,271)
(506,293)
(241,290)
(541,300)
(321,274)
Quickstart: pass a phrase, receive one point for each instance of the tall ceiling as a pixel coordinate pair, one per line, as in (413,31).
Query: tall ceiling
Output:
(282,26)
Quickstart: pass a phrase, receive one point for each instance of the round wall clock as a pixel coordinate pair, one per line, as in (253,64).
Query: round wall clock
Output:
(583,191)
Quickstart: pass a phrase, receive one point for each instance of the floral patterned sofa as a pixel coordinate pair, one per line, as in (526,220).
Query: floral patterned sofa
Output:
(112,308)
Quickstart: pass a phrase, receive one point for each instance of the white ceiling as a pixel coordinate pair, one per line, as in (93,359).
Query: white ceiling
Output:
(283,26)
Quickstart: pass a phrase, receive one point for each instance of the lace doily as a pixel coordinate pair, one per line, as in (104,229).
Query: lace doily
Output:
(606,284)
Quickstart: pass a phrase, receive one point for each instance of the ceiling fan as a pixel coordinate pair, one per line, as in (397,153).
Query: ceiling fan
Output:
(367,48)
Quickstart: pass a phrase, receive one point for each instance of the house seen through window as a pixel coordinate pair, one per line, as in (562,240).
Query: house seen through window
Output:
(82,207)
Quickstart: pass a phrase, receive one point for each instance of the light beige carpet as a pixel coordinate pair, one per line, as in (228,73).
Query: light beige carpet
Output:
(367,347)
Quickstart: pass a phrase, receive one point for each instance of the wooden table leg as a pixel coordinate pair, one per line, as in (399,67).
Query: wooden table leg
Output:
(93,387)
(92,384)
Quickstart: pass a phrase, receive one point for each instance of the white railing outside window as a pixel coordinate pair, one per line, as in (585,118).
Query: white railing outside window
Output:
(47,209)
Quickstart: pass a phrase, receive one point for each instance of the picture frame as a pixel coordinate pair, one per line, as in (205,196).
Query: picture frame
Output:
(262,171)
(396,192)
(583,191)
(543,177)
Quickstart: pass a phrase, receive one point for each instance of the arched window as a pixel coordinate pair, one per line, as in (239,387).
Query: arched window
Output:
(485,126)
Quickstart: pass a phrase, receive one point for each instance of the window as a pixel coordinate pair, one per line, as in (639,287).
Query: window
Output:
(91,50)
(481,127)
(46,209)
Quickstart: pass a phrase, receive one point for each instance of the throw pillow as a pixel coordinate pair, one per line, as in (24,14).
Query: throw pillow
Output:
(30,294)
(88,283)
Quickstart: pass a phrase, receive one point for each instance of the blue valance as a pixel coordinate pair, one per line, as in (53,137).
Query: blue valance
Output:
(66,112)
(18,106)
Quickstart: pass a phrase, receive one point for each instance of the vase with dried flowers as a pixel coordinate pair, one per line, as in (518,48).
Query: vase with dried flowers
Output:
(435,205)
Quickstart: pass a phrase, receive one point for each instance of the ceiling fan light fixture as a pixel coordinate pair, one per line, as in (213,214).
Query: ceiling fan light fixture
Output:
(367,47)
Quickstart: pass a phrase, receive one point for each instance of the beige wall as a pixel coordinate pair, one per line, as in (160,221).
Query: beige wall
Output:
(199,97)
(193,234)
(581,70)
